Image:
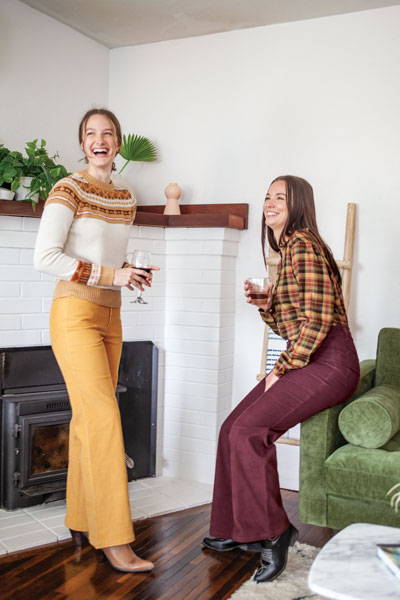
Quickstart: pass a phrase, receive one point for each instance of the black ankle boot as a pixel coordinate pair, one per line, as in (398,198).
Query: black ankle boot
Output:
(274,555)
(223,545)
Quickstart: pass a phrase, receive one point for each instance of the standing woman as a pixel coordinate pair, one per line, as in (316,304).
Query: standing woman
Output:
(82,241)
(318,369)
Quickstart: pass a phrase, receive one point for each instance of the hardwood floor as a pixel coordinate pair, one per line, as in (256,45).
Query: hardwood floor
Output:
(183,570)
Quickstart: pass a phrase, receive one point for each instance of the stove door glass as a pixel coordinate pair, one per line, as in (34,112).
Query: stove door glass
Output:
(49,450)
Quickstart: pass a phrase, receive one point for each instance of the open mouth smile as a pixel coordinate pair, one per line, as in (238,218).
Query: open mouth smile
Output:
(100,151)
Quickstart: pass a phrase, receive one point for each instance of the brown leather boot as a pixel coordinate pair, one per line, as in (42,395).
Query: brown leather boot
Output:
(122,558)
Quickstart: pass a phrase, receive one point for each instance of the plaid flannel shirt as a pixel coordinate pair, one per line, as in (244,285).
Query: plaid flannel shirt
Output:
(306,302)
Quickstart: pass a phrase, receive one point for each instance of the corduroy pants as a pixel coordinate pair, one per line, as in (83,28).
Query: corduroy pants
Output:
(87,340)
(247,504)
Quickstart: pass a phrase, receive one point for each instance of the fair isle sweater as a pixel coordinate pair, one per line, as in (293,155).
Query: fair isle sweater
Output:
(83,237)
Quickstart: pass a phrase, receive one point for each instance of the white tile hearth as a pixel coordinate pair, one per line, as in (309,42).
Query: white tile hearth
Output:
(44,523)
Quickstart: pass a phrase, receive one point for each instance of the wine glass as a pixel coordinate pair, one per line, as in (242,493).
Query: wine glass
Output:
(140,259)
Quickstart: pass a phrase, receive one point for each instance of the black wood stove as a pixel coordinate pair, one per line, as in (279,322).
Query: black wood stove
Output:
(35,415)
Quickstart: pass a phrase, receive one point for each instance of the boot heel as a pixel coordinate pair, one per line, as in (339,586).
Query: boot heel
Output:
(294,537)
(77,538)
(100,556)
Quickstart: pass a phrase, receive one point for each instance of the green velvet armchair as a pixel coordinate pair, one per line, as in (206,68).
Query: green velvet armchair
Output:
(341,482)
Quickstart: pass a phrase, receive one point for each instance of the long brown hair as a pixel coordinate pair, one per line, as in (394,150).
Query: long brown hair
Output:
(301,215)
(106,113)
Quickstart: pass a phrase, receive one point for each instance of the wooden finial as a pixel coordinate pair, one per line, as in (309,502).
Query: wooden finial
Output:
(173,193)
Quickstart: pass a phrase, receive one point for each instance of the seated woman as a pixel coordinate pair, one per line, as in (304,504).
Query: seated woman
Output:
(318,369)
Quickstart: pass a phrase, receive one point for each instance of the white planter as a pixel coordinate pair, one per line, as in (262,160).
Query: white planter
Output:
(23,190)
(6,194)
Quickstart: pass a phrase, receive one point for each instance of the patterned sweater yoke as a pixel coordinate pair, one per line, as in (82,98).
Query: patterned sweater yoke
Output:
(83,236)
(90,199)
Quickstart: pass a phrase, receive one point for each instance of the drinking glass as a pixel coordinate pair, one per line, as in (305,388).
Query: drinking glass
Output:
(258,285)
(140,259)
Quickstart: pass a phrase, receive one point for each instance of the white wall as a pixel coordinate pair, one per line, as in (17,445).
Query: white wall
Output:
(50,76)
(317,98)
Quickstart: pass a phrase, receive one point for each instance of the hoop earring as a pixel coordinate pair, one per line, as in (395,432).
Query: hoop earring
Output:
(113,168)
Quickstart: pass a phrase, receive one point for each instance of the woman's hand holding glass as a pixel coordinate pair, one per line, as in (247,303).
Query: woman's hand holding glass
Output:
(137,274)
(258,291)
(132,278)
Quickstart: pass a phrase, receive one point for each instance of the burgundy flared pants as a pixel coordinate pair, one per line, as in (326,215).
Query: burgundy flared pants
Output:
(247,504)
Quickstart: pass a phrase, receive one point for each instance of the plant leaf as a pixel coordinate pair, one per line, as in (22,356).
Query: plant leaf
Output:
(137,148)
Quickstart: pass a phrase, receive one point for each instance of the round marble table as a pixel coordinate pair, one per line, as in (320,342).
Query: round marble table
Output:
(347,567)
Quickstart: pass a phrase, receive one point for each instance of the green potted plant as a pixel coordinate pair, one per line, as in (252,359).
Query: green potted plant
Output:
(5,175)
(30,176)
(35,157)
(10,168)
(38,174)
(42,183)
(137,148)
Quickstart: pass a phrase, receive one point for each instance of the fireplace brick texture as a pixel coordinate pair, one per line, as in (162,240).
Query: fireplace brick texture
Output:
(199,342)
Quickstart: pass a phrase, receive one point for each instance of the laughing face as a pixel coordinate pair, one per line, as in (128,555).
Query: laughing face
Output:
(99,143)
(275,207)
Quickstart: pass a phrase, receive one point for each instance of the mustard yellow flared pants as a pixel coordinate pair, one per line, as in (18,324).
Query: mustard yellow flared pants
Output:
(87,340)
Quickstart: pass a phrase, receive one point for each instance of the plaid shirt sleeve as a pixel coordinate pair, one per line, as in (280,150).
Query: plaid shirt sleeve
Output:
(316,300)
(269,320)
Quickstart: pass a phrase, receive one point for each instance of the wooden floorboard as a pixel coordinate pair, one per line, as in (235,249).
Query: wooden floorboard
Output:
(183,570)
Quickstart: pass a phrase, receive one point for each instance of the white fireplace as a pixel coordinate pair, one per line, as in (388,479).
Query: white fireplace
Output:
(189,316)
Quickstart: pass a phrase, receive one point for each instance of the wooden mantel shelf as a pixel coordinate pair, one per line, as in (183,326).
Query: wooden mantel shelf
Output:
(233,216)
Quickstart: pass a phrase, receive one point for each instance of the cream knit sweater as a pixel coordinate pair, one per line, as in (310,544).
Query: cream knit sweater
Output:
(83,237)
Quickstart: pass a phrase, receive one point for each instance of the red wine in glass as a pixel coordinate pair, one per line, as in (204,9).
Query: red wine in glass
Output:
(140,259)
(257,296)
(257,287)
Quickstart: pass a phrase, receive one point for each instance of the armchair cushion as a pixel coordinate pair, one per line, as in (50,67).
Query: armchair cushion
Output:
(355,472)
(373,419)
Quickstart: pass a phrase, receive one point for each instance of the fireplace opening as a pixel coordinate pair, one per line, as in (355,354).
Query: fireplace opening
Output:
(44,449)
(35,416)
(49,448)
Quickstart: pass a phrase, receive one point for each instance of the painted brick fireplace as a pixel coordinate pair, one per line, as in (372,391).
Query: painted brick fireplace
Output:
(189,317)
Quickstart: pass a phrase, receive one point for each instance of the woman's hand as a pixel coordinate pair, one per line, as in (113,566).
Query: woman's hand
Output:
(265,302)
(270,379)
(131,277)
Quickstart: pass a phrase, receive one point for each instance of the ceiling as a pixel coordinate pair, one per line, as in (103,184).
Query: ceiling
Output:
(116,23)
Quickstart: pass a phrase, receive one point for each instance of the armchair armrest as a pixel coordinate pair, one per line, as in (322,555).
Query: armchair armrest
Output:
(367,378)
(320,437)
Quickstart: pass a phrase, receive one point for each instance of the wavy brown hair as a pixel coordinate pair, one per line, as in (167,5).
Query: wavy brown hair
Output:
(301,215)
